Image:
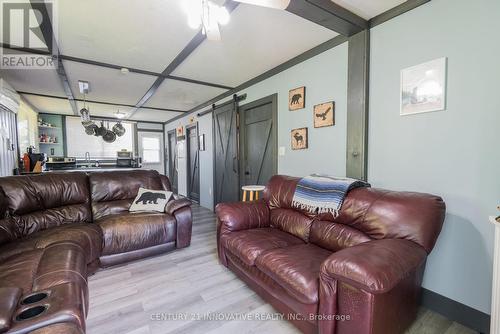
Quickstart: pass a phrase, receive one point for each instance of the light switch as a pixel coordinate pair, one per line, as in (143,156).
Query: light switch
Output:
(281,151)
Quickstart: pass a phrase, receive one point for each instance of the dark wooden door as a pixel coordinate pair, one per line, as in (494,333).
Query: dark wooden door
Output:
(258,132)
(193,163)
(226,165)
(172,160)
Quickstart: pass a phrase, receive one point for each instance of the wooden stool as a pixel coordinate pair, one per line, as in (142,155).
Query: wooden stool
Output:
(251,190)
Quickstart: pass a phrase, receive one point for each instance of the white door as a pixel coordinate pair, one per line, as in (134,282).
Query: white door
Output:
(151,150)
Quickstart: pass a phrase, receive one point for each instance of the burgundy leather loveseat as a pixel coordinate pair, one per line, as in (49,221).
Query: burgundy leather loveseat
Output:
(359,273)
(58,228)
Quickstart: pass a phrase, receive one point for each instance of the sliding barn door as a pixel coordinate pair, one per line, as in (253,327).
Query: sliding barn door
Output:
(226,164)
(193,163)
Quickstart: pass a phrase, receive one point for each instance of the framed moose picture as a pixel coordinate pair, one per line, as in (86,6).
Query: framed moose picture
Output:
(297,98)
(324,114)
(299,139)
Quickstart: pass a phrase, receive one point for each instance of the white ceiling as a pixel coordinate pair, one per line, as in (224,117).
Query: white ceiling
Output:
(368,9)
(143,114)
(107,84)
(133,33)
(256,39)
(148,35)
(50,105)
(181,95)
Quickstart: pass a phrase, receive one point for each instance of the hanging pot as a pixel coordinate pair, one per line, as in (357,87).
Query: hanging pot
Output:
(90,128)
(109,136)
(102,130)
(118,129)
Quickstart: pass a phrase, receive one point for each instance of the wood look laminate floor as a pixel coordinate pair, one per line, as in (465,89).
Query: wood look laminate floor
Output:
(165,294)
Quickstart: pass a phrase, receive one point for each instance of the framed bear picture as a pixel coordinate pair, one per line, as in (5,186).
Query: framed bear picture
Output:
(324,114)
(297,98)
(299,139)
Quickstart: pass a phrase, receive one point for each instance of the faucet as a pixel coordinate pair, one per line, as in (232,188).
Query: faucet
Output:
(87,157)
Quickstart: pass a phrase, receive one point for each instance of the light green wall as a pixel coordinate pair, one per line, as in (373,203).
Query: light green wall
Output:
(453,153)
(325,79)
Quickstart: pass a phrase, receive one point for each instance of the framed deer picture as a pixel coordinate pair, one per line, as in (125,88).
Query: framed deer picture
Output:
(324,114)
(299,139)
(297,98)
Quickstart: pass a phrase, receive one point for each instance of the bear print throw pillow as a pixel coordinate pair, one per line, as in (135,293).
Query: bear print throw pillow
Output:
(150,200)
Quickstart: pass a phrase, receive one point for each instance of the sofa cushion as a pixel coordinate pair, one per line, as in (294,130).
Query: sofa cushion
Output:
(334,237)
(247,245)
(130,231)
(113,192)
(291,221)
(296,269)
(86,235)
(39,202)
(39,269)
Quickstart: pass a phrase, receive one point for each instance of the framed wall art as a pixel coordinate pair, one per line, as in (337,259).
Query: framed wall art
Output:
(299,139)
(297,98)
(423,87)
(324,114)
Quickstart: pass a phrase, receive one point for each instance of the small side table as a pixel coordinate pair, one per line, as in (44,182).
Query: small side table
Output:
(252,190)
(495,293)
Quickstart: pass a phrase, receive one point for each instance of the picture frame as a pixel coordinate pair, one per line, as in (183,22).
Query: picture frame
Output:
(201,142)
(297,98)
(324,114)
(423,87)
(299,139)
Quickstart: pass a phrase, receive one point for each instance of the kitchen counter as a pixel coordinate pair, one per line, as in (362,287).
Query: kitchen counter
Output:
(92,169)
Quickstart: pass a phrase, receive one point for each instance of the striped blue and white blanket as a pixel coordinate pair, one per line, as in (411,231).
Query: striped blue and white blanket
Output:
(323,194)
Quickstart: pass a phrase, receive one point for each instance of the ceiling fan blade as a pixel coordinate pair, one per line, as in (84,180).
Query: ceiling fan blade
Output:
(213,32)
(277,4)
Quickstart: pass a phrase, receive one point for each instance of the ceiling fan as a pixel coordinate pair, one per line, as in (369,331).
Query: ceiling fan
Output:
(208,15)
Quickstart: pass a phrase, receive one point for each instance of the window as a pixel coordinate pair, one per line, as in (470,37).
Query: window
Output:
(151,150)
(78,142)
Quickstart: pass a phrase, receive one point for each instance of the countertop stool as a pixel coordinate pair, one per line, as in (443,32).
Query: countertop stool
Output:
(251,189)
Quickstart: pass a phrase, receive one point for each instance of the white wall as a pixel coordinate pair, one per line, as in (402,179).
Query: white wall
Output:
(325,78)
(452,153)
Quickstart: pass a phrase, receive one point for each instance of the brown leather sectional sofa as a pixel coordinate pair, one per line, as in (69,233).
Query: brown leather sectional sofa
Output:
(359,273)
(56,229)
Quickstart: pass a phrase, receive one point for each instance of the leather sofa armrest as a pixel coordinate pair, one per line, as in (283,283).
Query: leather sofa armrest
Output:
(9,297)
(376,266)
(177,204)
(181,210)
(242,215)
(165,182)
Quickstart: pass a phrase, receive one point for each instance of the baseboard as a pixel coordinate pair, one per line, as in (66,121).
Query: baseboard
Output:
(455,311)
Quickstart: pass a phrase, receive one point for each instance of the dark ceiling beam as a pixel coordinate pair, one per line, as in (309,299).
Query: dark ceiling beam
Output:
(99,102)
(329,15)
(396,11)
(116,67)
(192,45)
(48,35)
(139,71)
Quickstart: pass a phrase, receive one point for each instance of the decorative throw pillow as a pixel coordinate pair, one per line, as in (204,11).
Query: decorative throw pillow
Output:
(150,200)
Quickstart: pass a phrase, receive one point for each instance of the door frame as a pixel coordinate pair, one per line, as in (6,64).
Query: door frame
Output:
(188,158)
(273,99)
(171,154)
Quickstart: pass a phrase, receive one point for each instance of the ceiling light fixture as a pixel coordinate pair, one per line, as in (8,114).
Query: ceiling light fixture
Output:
(208,16)
(120,114)
(124,70)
